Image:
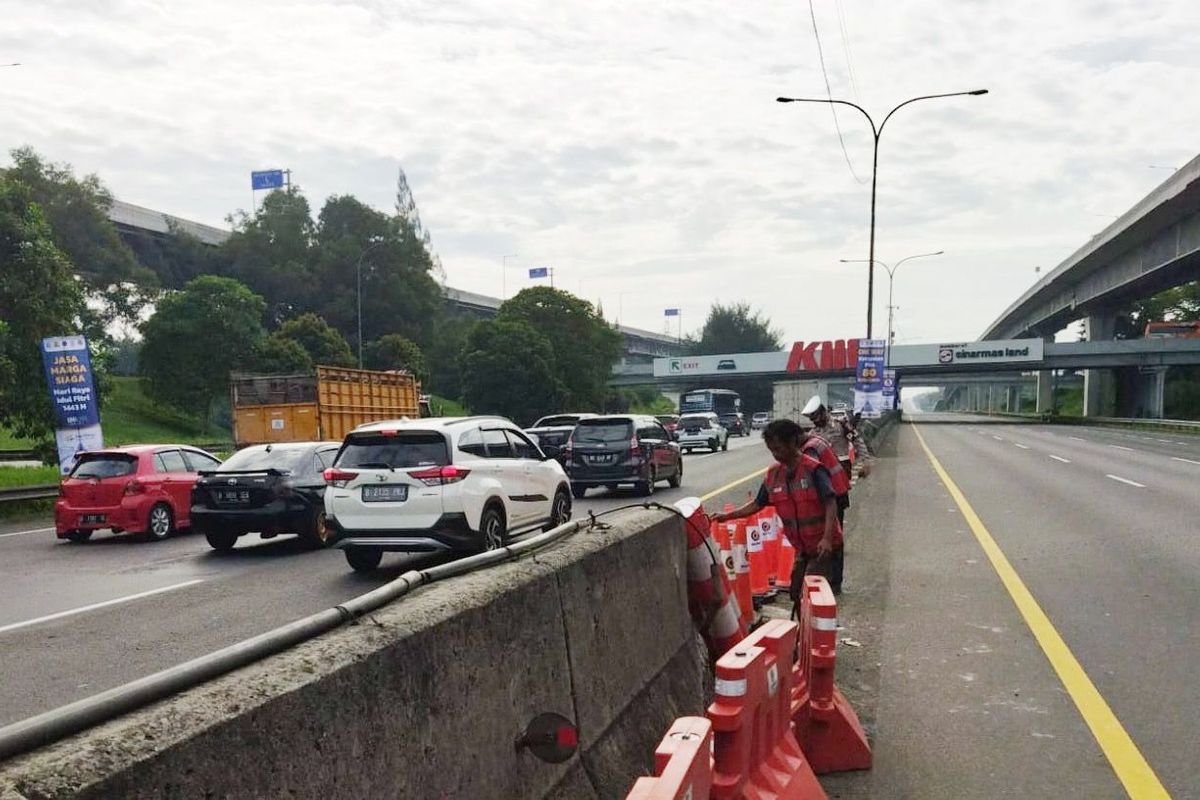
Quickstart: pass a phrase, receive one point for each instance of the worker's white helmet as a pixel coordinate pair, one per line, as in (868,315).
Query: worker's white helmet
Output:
(812,405)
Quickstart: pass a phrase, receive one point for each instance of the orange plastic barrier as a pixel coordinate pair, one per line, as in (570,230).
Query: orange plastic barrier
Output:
(711,602)
(755,752)
(826,725)
(682,764)
(787,558)
(770,533)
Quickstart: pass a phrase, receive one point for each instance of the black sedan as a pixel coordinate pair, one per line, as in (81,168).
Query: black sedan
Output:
(269,489)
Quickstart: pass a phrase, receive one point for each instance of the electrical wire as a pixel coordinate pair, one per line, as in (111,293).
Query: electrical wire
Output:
(846,48)
(829,92)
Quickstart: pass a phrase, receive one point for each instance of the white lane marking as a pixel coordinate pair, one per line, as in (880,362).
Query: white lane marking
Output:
(1077,438)
(1125,480)
(1022,446)
(1121,447)
(71,612)
(1164,441)
(1185,460)
(23,533)
(1060,458)
(998,438)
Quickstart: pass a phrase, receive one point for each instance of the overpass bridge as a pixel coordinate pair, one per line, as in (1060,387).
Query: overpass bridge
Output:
(136,222)
(1153,246)
(1035,362)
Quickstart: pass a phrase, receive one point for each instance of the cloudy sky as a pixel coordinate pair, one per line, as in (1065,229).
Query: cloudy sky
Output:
(636,146)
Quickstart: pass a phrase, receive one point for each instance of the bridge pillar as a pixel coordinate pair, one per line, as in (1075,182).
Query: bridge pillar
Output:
(1099,386)
(1045,386)
(1012,400)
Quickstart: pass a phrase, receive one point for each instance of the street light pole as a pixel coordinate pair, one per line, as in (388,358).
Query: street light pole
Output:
(358,271)
(876,132)
(891,273)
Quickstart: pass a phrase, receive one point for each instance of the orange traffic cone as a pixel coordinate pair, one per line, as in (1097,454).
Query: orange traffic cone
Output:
(757,553)
(787,559)
(770,534)
(741,568)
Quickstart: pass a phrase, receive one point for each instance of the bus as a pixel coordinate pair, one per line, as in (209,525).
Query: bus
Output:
(1173,330)
(722,402)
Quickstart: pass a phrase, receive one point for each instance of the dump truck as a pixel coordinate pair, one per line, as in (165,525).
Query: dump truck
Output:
(325,406)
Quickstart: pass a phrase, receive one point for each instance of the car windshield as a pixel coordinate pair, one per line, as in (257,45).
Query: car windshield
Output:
(559,421)
(104,465)
(287,459)
(693,423)
(604,431)
(390,451)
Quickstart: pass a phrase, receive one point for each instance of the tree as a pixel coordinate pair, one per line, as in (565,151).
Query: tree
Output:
(324,345)
(196,337)
(393,351)
(269,253)
(508,369)
(1181,303)
(39,297)
(445,375)
(735,329)
(410,218)
(280,355)
(585,347)
(76,210)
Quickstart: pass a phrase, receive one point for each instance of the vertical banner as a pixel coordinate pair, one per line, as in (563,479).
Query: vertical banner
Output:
(889,390)
(868,377)
(73,393)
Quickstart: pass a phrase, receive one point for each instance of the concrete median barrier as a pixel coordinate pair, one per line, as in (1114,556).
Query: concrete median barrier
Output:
(427,697)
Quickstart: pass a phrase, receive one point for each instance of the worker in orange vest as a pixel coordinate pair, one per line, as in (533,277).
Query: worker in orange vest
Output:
(802,492)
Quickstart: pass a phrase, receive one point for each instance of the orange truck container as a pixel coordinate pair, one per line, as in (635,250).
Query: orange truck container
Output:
(325,406)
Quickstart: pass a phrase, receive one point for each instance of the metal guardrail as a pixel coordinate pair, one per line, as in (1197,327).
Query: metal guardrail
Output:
(43,491)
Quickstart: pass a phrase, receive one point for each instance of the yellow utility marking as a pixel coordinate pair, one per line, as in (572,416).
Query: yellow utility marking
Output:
(732,485)
(1127,761)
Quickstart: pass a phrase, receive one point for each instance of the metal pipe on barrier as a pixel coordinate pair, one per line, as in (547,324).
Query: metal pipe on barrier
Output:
(51,726)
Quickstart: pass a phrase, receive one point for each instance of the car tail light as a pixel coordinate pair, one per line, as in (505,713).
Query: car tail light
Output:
(135,487)
(338,478)
(568,450)
(440,476)
(635,451)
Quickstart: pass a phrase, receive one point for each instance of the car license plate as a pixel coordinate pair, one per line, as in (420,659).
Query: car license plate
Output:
(599,459)
(385,494)
(233,496)
(92,519)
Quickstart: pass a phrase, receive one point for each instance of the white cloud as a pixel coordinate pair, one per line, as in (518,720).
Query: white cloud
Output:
(636,146)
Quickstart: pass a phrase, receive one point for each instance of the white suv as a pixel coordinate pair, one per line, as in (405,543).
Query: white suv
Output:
(701,430)
(448,484)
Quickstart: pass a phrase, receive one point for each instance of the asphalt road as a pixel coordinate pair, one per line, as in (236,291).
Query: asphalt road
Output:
(76,619)
(1100,524)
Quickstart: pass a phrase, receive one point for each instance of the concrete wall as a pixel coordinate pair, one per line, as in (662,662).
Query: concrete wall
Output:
(426,697)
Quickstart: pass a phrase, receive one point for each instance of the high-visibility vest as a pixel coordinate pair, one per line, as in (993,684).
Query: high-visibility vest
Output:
(800,507)
(829,460)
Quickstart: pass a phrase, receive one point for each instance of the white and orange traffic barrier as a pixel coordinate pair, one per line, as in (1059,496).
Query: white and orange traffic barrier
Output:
(682,764)
(756,551)
(826,725)
(770,533)
(741,569)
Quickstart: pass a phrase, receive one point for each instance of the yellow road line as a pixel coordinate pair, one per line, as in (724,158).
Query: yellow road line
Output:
(733,484)
(1127,761)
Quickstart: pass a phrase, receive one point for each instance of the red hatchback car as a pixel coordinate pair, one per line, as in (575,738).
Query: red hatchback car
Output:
(137,489)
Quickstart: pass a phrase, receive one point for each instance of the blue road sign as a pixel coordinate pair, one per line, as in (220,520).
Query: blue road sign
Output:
(539,272)
(671,312)
(266,179)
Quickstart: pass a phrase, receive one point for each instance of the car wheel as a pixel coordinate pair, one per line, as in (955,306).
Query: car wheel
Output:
(560,510)
(221,541)
(713,445)
(646,488)
(363,559)
(579,491)
(677,478)
(492,529)
(78,536)
(317,533)
(161,522)
(725,446)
